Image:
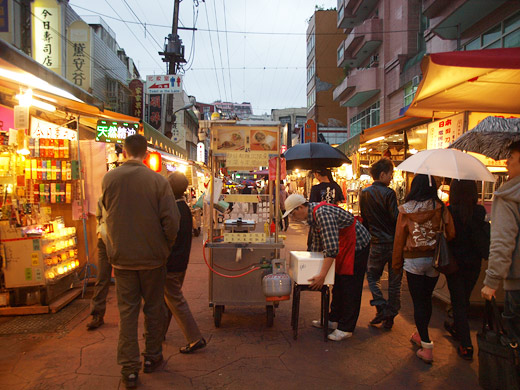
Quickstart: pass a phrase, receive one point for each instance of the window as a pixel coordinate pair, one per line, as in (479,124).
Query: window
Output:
(505,34)
(311,99)
(409,93)
(341,52)
(310,43)
(365,119)
(310,71)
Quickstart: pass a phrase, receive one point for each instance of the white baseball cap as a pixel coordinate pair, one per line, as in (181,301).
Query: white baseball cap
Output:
(292,202)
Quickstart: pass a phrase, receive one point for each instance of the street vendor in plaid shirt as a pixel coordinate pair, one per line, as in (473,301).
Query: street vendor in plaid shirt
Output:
(343,239)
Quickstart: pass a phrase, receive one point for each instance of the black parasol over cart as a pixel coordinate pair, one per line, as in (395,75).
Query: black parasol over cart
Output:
(491,137)
(314,155)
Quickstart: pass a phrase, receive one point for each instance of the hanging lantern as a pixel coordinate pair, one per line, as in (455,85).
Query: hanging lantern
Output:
(153,161)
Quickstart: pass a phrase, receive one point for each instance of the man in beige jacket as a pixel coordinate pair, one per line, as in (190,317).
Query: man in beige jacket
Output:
(142,221)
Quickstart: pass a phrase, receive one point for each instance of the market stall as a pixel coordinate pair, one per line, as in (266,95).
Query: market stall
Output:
(242,247)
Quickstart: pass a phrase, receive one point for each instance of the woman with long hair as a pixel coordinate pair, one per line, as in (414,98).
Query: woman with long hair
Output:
(468,218)
(420,218)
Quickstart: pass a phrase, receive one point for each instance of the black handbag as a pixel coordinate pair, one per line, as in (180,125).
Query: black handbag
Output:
(498,355)
(443,260)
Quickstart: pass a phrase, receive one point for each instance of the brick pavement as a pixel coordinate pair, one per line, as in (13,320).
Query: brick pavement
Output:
(242,353)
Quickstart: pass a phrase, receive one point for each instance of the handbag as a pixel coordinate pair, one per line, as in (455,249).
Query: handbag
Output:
(443,260)
(498,354)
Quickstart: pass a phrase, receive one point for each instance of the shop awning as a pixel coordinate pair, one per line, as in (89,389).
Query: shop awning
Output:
(159,141)
(479,80)
(350,146)
(391,127)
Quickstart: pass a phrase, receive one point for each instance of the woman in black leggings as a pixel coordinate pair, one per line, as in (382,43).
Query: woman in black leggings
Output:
(420,217)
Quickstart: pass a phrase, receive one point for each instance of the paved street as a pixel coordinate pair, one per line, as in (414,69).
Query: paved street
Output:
(242,353)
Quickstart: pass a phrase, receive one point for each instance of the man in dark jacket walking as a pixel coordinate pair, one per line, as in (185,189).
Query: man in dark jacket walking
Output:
(379,212)
(142,221)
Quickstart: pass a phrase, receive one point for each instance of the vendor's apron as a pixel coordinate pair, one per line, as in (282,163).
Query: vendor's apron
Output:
(347,245)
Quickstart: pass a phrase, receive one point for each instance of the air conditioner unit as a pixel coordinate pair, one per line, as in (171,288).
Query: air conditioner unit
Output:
(374,61)
(415,81)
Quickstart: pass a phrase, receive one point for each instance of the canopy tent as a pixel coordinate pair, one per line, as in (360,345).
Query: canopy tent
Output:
(478,80)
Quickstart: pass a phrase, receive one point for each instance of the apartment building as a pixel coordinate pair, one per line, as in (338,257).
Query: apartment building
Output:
(228,109)
(385,41)
(323,75)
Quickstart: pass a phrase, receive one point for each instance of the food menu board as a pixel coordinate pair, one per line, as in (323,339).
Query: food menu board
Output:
(246,139)
(443,132)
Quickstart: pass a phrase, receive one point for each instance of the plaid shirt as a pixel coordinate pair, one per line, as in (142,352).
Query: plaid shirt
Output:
(325,229)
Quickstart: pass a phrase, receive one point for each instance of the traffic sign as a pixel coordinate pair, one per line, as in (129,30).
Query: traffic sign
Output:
(169,83)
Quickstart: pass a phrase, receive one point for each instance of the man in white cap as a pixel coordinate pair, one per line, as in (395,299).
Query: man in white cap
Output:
(341,237)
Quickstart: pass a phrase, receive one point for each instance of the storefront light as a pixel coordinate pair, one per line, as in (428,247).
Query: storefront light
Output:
(182,168)
(26,99)
(375,140)
(413,151)
(362,149)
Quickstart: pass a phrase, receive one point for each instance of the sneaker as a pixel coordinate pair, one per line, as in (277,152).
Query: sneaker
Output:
(192,347)
(96,322)
(416,339)
(426,352)
(451,329)
(388,323)
(332,324)
(130,380)
(151,365)
(339,335)
(465,352)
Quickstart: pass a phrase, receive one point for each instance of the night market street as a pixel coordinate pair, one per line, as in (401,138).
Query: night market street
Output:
(241,354)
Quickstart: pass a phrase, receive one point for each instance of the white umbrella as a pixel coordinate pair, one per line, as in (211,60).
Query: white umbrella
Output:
(450,163)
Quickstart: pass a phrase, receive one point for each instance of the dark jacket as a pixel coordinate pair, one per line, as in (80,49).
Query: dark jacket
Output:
(379,212)
(142,217)
(180,254)
(463,246)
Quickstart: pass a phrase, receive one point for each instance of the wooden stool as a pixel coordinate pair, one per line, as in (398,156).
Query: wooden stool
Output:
(324,318)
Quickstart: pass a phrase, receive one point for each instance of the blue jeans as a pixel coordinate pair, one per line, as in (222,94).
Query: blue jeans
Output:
(511,314)
(381,255)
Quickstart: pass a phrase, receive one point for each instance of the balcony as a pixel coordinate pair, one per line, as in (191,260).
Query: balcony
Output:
(359,87)
(354,12)
(362,42)
(446,15)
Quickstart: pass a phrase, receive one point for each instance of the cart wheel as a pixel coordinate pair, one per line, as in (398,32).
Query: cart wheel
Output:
(217,315)
(270,315)
(196,232)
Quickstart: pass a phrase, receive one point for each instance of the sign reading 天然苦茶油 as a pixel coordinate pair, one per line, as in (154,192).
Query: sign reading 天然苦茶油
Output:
(115,131)
(79,59)
(46,22)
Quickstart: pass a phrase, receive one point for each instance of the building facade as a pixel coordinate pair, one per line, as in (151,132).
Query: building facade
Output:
(323,75)
(228,109)
(385,41)
(294,118)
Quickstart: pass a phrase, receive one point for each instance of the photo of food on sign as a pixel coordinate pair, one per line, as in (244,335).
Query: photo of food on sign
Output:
(231,139)
(264,140)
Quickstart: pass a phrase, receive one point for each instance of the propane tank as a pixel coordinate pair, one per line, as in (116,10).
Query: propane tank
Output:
(278,283)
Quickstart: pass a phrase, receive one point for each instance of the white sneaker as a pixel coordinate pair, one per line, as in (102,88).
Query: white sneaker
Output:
(317,324)
(339,335)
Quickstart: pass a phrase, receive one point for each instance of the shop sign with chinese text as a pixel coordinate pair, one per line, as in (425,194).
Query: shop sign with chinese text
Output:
(136,86)
(79,60)
(43,129)
(115,131)
(46,22)
(169,83)
(443,132)
(201,152)
(154,111)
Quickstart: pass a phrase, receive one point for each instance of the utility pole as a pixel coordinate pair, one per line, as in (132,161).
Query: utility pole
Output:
(174,55)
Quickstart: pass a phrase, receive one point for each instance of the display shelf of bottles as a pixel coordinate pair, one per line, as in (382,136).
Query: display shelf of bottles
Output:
(60,253)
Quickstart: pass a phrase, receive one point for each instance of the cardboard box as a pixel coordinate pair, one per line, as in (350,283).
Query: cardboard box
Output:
(304,265)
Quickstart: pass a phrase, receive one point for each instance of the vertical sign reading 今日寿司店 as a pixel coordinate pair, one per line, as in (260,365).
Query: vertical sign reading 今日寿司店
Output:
(169,83)
(46,21)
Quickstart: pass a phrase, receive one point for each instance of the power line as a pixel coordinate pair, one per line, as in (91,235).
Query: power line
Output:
(213,53)
(219,50)
(227,49)
(144,25)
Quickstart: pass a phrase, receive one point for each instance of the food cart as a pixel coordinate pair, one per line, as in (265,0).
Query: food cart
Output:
(242,244)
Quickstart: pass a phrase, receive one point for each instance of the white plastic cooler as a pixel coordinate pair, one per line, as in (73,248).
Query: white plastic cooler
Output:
(304,265)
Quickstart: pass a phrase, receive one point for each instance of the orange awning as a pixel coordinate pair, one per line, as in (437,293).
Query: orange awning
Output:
(479,80)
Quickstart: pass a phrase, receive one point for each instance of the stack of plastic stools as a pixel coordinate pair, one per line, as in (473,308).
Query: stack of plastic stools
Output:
(324,318)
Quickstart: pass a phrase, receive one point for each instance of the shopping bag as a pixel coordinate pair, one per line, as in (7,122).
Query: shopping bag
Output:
(498,354)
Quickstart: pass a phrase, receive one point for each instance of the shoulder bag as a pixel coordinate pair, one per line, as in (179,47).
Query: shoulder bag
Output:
(443,260)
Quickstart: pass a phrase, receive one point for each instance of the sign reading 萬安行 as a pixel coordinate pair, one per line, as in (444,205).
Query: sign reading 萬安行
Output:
(115,131)
(169,83)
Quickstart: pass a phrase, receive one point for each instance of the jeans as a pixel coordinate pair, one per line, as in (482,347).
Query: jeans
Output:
(511,314)
(381,255)
(347,292)
(131,287)
(98,303)
(178,306)
(421,289)
(461,284)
